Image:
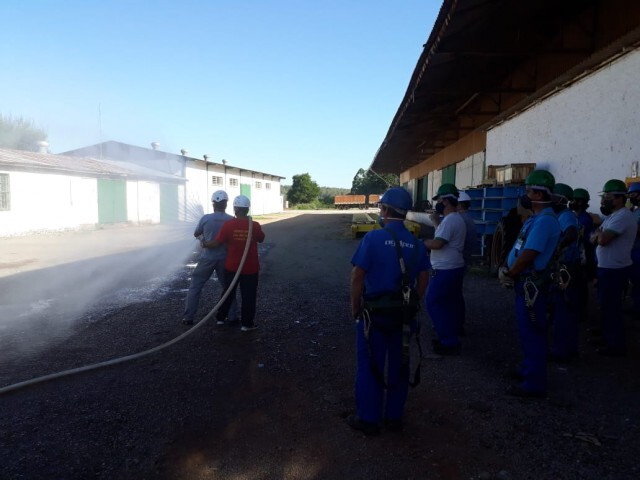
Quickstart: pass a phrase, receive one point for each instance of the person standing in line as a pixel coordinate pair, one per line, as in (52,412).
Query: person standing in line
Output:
(614,240)
(527,271)
(634,198)
(587,274)
(211,259)
(234,234)
(445,300)
(384,323)
(564,290)
(464,203)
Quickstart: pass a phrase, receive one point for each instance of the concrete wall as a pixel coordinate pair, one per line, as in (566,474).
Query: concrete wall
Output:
(47,203)
(44,202)
(585,134)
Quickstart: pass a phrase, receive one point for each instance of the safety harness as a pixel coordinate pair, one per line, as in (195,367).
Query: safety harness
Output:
(534,280)
(401,307)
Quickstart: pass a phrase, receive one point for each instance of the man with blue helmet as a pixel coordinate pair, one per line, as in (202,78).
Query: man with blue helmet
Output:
(388,279)
(527,271)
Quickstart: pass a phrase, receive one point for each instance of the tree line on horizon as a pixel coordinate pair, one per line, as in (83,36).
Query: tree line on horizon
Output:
(304,193)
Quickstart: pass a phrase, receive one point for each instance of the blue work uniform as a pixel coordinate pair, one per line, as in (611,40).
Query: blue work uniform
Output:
(379,342)
(541,233)
(211,260)
(564,317)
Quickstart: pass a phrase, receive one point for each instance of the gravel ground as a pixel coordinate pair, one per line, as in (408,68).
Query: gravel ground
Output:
(271,404)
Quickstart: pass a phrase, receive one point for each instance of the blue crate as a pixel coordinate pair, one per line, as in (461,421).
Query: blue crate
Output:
(476,202)
(513,192)
(495,203)
(486,228)
(475,193)
(509,203)
(475,214)
(493,215)
(493,191)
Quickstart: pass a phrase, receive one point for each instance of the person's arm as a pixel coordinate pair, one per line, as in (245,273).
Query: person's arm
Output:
(435,244)
(357,289)
(523,261)
(258,233)
(603,238)
(569,237)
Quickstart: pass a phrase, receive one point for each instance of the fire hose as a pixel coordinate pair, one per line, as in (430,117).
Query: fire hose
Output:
(128,358)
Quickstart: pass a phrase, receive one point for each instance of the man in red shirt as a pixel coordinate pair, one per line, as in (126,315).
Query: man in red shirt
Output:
(234,234)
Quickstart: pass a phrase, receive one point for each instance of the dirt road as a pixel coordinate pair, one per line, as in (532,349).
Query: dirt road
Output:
(270,404)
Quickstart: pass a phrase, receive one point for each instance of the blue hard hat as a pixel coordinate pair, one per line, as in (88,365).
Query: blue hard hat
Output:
(398,199)
(634,187)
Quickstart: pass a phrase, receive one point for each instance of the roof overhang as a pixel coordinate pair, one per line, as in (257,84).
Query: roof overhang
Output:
(485,59)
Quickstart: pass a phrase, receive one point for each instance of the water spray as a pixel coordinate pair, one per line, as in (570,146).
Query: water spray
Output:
(128,358)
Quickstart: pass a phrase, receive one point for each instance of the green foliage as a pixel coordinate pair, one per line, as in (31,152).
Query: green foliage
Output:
(303,189)
(20,134)
(366,182)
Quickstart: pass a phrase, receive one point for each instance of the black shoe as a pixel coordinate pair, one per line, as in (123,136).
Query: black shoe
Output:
(611,352)
(518,391)
(441,349)
(594,331)
(394,425)
(367,428)
(187,321)
(461,332)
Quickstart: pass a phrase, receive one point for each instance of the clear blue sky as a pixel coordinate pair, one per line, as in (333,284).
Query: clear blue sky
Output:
(279,86)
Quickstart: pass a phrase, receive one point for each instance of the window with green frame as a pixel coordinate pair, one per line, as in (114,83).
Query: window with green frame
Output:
(5,192)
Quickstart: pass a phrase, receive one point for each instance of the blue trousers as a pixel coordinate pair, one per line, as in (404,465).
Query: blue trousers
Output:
(532,331)
(445,304)
(384,348)
(564,321)
(201,274)
(611,285)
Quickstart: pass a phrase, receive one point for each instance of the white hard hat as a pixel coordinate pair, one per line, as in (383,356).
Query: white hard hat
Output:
(219,196)
(242,201)
(464,197)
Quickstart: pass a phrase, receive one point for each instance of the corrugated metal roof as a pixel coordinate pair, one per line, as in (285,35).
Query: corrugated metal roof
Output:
(24,160)
(484,58)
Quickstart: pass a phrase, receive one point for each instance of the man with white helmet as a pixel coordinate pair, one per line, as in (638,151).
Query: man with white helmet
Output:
(470,240)
(233,235)
(211,259)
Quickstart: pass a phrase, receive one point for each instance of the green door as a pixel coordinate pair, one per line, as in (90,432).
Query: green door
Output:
(245,189)
(449,174)
(112,200)
(168,203)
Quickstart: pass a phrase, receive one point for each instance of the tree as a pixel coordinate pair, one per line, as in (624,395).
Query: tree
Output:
(366,182)
(20,134)
(303,189)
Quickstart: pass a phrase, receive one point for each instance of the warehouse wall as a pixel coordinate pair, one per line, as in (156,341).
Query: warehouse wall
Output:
(584,135)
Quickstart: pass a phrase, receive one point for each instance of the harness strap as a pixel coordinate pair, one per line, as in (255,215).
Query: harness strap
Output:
(406,317)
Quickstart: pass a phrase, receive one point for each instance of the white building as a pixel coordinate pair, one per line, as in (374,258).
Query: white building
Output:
(41,192)
(203,176)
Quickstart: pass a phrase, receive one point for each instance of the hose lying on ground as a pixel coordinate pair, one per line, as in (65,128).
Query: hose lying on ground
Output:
(116,361)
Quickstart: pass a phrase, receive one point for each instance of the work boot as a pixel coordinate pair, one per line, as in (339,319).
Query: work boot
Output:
(368,428)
